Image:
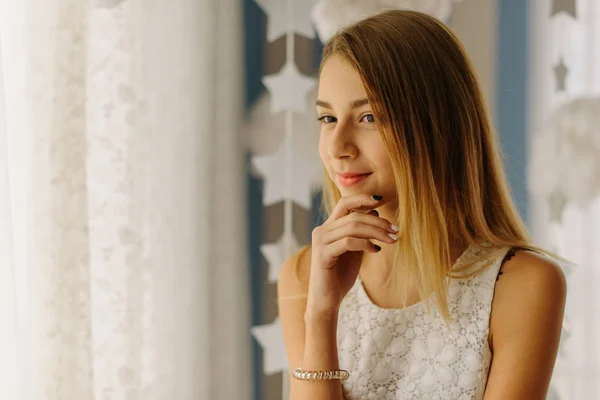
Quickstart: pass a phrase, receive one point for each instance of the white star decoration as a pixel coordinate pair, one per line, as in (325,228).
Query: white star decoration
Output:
(277,22)
(276,253)
(274,171)
(270,338)
(289,89)
(264,131)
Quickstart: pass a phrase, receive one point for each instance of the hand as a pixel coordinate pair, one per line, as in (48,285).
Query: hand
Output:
(338,247)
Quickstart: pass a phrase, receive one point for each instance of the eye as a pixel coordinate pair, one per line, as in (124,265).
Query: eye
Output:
(326,119)
(369,118)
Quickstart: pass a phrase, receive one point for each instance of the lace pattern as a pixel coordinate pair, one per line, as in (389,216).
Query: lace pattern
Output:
(410,354)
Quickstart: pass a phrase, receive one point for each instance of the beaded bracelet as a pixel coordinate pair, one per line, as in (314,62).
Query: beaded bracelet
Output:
(338,374)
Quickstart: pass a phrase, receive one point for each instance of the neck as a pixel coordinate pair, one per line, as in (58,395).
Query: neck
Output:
(380,264)
(377,266)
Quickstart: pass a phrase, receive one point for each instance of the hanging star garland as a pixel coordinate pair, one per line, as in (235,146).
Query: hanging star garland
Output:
(289,89)
(270,338)
(568,7)
(272,168)
(277,18)
(285,169)
(560,72)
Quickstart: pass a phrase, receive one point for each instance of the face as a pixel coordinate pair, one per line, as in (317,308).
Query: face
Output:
(351,146)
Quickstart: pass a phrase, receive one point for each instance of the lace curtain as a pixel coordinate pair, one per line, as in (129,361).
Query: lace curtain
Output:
(565,66)
(122,211)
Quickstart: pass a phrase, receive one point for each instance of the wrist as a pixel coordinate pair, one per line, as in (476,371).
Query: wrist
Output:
(319,316)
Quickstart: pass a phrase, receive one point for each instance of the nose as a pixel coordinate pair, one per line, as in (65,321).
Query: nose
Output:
(341,143)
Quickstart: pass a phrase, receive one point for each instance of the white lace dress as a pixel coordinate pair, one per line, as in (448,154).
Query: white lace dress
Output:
(406,354)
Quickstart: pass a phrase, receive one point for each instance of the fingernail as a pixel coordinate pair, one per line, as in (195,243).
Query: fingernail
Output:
(393,236)
(377,247)
(395,228)
(376,197)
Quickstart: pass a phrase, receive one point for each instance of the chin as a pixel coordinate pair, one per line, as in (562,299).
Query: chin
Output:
(354,190)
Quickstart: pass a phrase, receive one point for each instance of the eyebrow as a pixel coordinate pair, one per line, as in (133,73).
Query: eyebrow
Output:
(354,104)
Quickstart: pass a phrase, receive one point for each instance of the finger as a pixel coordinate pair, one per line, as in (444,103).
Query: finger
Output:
(347,244)
(359,202)
(357,229)
(371,211)
(366,218)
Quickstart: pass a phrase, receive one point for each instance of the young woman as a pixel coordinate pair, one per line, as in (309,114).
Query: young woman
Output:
(423,282)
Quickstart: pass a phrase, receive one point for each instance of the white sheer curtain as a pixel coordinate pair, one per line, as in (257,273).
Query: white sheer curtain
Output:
(576,235)
(122,227)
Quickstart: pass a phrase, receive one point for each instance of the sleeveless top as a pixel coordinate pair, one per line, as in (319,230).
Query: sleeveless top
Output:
(408,354)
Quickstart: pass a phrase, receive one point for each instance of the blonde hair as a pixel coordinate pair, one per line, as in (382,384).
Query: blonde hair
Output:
(446,160)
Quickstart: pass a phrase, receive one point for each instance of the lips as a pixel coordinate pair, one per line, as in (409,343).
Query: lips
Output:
(348,179)
(352,174)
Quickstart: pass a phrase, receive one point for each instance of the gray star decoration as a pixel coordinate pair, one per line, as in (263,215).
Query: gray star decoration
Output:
(567,6)
(560,72)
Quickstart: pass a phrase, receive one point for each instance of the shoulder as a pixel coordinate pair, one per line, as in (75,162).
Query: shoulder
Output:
(294,274)
(525,326)
(538,274)
(529,285)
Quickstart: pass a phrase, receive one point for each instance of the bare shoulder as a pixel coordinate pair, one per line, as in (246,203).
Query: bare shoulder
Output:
(525,326)
(533,277)
(528,283)
(294,275)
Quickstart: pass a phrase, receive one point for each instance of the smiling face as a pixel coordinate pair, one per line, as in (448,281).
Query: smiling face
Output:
(351,146)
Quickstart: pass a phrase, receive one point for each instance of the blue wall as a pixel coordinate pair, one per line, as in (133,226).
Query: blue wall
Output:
(254,39)
(511,89)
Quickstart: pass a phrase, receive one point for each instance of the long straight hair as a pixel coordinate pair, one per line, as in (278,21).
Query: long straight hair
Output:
(447,163)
